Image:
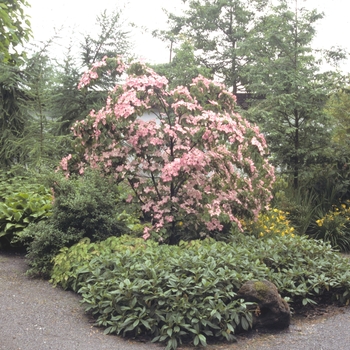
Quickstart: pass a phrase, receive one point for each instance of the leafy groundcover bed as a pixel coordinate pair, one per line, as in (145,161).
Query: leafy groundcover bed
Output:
(187,293)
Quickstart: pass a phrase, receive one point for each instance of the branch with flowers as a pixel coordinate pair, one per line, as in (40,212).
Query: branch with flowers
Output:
(195,167)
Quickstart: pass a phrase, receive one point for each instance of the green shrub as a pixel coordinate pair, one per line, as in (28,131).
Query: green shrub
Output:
(169,292)
(21,205)
(188,292)
(46,243)
(87,206)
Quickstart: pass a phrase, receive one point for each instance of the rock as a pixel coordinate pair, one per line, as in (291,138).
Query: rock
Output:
(271,310)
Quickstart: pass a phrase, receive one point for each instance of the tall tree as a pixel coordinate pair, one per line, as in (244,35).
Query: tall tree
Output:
(338,107)
(27,128)
(220,32)
(283,68)
(71,104)
(112,38)
(14,29)
(183,68)
(12,116)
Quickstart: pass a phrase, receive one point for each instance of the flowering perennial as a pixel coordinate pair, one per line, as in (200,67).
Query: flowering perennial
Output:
(272,222)
(194,167)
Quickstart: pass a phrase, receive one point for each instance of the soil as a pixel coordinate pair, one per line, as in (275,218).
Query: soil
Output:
(36,316)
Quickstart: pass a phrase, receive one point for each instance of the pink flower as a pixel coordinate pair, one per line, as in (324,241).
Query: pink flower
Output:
(146,236)
(190,161)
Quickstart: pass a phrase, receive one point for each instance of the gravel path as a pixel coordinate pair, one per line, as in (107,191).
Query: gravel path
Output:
(36,316)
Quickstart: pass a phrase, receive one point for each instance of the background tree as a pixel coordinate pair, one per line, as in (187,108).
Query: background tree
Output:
(283,68)
(71,104)
(27,137)
(40,100)
(183,68)
(220,32)
(12,116)
(338,107)
(14,29)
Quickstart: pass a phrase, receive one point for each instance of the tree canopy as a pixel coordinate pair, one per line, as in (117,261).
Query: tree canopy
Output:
(284,70)
(220,32)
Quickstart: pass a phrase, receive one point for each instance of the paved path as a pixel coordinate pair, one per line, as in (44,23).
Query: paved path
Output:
(36,316)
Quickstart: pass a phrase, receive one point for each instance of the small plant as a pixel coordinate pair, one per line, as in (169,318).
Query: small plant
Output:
(84,206)
(333,227)
(270,222)
(172,293)
(25,205)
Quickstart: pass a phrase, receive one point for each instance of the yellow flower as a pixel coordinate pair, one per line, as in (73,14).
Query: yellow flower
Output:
(261,234)
(319,222)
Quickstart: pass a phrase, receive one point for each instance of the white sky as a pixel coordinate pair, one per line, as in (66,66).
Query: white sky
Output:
(333,29)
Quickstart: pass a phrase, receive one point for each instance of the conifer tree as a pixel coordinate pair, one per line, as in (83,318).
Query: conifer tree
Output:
(284,69)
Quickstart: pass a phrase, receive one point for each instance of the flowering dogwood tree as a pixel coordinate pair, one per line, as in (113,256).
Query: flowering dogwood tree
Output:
(194,167)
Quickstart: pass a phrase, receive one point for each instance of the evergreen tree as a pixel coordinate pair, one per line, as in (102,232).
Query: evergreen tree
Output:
(71,104)
(27,137)
(183,68)
(220,32)
(12,116)
(283,68)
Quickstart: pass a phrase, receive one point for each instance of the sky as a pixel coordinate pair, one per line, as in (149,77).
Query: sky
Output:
(79,16)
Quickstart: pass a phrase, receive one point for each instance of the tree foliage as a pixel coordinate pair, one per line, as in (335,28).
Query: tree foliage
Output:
(183,68)
(39,99)
(112,39)
(284,70)
(14,29)
(71,104)
(338,107)
(12,118)
(27,137)
(220,31)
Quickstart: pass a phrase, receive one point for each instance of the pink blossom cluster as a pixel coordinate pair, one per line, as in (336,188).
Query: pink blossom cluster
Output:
(91,74)
(197,161)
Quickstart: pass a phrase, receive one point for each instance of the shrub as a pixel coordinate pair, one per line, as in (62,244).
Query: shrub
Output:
(86,206)
(20,205)
(197,162)
(188,292)
(169,292)
(46,242)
